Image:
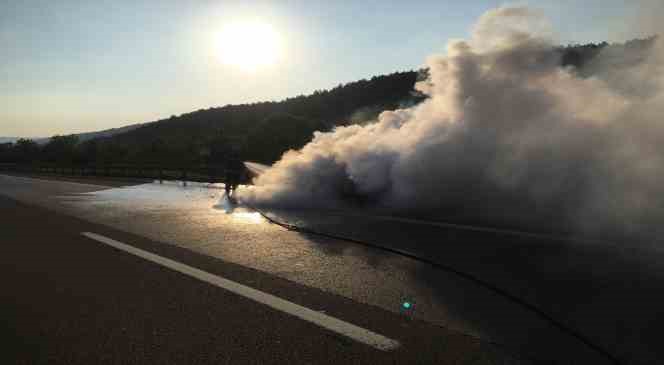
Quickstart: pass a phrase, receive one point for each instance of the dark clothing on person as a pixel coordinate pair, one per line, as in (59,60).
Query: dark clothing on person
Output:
(234,169)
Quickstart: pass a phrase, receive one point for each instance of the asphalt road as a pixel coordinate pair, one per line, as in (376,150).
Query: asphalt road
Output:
(608,292)
(355,283)
(69,299)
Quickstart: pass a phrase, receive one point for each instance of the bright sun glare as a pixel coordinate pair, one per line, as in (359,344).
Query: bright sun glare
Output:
(248,45)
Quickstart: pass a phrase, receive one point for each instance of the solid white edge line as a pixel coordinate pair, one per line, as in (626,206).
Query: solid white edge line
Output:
(352,331)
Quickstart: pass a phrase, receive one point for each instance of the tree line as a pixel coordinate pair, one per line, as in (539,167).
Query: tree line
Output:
(263,131)
(260,131)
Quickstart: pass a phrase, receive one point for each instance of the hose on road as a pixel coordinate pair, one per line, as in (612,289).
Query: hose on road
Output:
(502,292)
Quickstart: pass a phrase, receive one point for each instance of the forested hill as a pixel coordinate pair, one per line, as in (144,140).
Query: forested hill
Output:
(265,130)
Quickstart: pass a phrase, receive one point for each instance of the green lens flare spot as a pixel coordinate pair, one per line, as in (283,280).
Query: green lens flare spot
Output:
(407,305)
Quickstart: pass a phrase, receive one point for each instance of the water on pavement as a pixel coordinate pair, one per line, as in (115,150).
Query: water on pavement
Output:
(606,293)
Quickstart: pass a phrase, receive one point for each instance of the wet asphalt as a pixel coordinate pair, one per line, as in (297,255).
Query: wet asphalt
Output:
(69,300)
(582,286)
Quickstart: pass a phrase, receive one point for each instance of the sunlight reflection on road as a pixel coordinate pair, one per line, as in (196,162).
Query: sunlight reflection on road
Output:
(187,197)
(197,217)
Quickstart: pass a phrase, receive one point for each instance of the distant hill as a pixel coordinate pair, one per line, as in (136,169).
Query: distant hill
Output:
(82,137)
(266,130)
(8,139)
(270,128)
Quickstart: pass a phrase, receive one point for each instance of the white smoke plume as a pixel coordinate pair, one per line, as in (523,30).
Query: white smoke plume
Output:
(506,137)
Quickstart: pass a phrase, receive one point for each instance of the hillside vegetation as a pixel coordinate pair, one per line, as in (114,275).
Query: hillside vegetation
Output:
(264,131)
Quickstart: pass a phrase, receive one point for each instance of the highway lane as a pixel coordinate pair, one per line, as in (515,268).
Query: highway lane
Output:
(197,219)
(70,299)
(610,292)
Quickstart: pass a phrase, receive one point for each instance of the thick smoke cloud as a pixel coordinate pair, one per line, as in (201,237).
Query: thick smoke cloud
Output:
(506,137)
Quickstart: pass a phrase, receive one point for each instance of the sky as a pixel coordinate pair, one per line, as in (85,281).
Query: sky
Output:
(79,66)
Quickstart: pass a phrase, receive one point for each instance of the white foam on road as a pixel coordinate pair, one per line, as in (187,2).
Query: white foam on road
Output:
(346,329)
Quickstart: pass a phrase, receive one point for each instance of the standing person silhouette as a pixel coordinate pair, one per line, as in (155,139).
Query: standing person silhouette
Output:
(234,170)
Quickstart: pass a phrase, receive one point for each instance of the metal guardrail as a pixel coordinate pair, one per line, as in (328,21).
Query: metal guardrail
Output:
(199,173)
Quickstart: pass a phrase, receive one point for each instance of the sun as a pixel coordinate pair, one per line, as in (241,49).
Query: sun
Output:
(248,45)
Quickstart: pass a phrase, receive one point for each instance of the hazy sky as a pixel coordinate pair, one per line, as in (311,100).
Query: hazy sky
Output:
(75,66)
